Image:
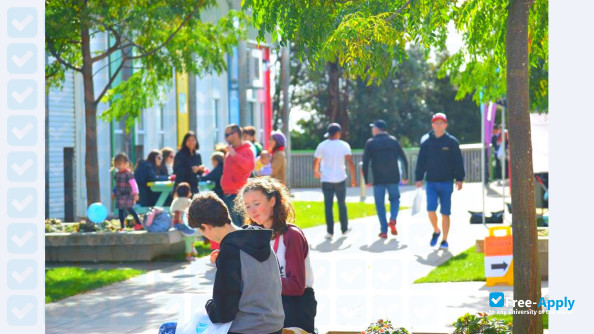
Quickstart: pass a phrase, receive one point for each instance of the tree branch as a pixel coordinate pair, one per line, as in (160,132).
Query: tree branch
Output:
(393,16)
(111,80)
(155,50)
(52,50)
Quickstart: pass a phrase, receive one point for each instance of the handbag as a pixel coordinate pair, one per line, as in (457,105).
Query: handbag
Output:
(200,323)
(417,201)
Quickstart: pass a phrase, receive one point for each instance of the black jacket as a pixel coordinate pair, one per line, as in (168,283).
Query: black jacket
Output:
(384,152)
(215,176)
(182,168)
(440,159)
(247,286)
(147,172)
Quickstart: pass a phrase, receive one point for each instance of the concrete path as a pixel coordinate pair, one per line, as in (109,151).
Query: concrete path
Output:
(358,279)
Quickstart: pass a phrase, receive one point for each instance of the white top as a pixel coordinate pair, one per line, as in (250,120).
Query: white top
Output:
(282,262)
(332,153)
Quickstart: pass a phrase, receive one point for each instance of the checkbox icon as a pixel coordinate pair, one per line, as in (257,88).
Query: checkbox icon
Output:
(22,202)
(22,274)
(496,299)
(21,310)
(21,238)
(22,58)
(22,166)
(22,22)
(21,130)
(22,94)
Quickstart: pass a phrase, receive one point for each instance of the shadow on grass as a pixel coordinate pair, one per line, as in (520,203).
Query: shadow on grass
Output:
(380,246)
(434,259)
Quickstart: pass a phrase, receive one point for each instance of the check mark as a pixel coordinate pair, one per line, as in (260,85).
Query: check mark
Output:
(350,276)
(21,61)
(22,312)
(21,25)
(386,277)
(20,98)
(21,241)
(22,132)
(20,206)
(496,300)
(22,168)
(422,312)
(22,276)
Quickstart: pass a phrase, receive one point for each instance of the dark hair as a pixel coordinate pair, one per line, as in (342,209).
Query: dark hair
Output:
(219,157)
(184,147)
(235,128)
(283,212)
(221,147)
(119,158)
(166,152)
(207,208)
(152,157)
(182,190)
(249,130)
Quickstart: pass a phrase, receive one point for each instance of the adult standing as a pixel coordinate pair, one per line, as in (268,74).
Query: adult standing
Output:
(147,171)
(329,166)
(237,168)
(384,152)
(278,162)
(187,164)
(439,162)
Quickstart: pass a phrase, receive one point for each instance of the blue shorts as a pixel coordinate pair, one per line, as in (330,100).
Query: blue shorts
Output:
(443,192)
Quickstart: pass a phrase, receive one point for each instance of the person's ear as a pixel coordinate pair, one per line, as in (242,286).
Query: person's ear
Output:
(272,201)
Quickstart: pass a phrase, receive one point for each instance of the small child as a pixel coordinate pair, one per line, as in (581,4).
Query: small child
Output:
(181,201)
(217,159)
(126,189)
(263,167)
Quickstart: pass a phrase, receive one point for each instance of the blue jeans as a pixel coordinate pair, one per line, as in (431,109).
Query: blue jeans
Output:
(379,193)
(236,217)
(329,189)
(443,192)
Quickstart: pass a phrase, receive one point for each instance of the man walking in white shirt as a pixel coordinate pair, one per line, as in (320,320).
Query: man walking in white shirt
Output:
(329,166)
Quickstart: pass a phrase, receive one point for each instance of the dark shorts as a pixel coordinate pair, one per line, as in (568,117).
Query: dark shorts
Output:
(441,191)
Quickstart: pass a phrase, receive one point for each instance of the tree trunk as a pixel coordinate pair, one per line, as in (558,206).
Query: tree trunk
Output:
(343,115)
(91,159)
(333,92)
(526,265)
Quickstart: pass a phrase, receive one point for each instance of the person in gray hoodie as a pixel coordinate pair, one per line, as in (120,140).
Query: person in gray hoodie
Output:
(245,260)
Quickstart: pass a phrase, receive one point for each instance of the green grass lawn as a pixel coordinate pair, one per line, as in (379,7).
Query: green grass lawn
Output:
(464,267)
(507,318)
(310,214)
(69,281)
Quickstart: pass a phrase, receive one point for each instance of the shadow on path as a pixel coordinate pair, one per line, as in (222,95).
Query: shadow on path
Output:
(380,246)
(434,259)
(329,246)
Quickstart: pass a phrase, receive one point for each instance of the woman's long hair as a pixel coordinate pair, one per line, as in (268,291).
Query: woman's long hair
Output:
(184,147)
(283,212)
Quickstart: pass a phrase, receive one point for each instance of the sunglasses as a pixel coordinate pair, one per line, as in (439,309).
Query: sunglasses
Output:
(228,134)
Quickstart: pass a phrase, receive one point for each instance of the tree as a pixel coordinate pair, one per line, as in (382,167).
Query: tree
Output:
(502,39)
(147,39)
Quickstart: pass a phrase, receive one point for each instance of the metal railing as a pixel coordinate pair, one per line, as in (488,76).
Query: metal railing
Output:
(300,173)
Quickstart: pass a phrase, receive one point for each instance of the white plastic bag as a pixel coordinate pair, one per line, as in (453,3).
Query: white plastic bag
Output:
(418,201)
(200,323)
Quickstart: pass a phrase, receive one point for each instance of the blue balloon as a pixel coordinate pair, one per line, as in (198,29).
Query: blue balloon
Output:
(97,212)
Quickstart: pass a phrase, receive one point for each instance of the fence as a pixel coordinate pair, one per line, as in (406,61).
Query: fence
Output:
(301,166)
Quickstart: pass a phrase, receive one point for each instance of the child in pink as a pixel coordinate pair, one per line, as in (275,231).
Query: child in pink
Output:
(126,190)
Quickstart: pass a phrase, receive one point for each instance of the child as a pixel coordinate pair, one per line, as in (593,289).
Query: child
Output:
(126,189)
(263,167)
(247,285)
(181,201)
(216,173)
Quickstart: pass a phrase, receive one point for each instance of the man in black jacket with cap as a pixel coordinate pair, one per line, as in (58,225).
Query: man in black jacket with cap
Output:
(384,152)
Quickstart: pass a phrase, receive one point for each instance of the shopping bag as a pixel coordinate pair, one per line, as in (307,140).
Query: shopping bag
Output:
(418,201)
(200,323)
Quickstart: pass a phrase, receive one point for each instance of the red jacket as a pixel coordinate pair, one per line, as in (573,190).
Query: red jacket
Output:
(237,169)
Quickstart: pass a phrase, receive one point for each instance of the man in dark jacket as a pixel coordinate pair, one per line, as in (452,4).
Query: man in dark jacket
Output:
(384,152)
(440,163)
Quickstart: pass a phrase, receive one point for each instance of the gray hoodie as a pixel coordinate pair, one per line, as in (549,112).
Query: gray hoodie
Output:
(247,287)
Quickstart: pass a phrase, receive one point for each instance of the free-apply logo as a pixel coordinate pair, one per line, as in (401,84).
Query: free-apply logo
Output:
(496,299)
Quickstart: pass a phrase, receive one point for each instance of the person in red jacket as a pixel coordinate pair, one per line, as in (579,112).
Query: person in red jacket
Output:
(237,168)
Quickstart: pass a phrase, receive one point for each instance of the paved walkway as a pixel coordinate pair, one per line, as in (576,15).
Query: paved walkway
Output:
(358,279)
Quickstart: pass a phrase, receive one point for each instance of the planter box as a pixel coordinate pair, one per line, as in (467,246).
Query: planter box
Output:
(543,254)
(106,246)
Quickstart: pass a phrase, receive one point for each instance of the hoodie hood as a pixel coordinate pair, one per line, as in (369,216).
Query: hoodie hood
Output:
(253,240)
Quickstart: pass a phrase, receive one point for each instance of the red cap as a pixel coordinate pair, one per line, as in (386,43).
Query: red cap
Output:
(440,116)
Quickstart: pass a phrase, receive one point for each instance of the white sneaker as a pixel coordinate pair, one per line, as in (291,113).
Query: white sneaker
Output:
(347,232)
(328,236)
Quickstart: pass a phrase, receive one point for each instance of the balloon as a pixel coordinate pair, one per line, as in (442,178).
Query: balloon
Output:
(97,212)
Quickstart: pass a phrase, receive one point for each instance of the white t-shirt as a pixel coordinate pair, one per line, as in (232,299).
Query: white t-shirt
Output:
(332,153)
